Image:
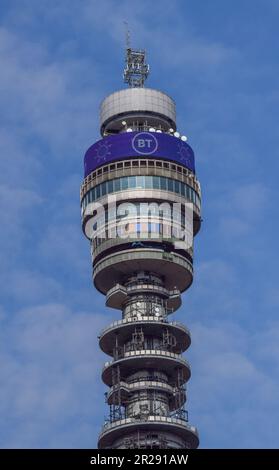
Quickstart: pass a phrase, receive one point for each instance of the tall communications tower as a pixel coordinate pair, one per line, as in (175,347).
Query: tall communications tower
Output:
(140,205)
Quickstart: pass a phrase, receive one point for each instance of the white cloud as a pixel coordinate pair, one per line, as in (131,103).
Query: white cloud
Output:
(183,46)
(231,392)
(50,366)
(41,94)
(242,210)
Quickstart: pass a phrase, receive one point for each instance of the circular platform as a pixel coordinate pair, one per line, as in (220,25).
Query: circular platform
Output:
(176,271)
(152,327)
(123,427)
(132,361)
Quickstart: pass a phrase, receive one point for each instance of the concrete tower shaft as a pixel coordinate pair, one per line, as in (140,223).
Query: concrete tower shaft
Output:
(139,184)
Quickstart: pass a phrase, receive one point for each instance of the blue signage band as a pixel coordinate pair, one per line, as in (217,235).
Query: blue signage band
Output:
(128,145)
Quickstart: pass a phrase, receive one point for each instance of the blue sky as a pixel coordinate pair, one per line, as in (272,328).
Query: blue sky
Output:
(219,61)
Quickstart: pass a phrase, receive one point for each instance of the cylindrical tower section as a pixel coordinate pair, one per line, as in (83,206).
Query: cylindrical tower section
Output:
(141,207)
(140,108)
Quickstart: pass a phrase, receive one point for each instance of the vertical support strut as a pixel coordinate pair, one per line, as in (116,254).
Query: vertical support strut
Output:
(116,407)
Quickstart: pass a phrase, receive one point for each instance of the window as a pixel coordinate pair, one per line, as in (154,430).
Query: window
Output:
(156,182)
(177,186)
(140,181)
(110,186)
(170,185)
(148,182)
(117,184)
(191,194)
(124,183)
(163,183)
(132,181)
(104,189)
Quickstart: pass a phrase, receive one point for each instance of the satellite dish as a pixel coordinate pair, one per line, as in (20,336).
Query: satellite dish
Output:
(123,123)
(171,130)
(176,134)
(159,130)
(129,129)
(184,138)
(151,129)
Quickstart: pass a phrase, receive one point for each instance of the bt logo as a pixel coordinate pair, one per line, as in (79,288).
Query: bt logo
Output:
(144,143)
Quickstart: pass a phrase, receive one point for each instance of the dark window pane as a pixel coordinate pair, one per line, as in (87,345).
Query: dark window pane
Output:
(124,183)
(163,183)
(156,182)
(170,184)
(177,187)
(110,186)
(104,189)
(117,184)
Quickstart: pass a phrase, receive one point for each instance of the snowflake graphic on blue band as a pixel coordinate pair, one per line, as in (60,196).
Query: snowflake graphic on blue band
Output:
(183,153)
(102,151)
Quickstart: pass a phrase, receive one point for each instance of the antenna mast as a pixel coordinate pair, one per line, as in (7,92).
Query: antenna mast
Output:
(136,70)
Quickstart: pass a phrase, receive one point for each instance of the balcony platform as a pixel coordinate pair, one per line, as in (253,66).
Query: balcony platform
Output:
(152,359)
(118,429)
(152,326)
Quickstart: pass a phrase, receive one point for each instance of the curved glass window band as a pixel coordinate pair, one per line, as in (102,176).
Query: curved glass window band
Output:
(141,182)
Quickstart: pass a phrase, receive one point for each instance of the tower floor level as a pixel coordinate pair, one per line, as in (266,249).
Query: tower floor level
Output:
(141,208)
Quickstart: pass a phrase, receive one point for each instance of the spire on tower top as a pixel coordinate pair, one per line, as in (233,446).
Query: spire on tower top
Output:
(136,70)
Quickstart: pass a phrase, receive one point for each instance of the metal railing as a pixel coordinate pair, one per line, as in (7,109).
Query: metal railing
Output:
(149,352)
(150,419)
(144,319)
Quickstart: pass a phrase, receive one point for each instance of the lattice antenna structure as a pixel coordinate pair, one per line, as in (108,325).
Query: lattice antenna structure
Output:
(136,69)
